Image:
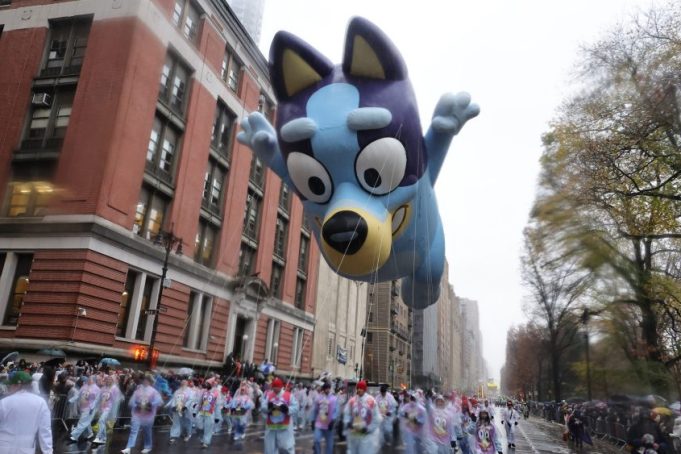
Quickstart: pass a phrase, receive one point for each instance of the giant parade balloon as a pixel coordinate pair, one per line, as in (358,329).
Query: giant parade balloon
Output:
(348,138)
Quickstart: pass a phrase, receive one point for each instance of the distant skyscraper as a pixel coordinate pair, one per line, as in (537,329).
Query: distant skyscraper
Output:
(250,14)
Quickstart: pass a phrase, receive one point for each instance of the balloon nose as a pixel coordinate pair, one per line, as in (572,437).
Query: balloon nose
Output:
(345,231)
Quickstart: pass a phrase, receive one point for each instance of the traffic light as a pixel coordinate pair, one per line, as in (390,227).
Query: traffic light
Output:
(154,358)
(140,353)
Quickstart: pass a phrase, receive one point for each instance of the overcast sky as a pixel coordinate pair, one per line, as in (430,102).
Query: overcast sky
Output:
(516,59)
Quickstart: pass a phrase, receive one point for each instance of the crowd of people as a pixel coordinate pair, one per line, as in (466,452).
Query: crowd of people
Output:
(97,399)
(638,424)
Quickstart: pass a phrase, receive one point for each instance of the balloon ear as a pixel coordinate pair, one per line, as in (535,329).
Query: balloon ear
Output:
(295,65)
(370,53)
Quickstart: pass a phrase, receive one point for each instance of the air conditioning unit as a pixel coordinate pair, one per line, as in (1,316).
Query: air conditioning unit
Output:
(42,99)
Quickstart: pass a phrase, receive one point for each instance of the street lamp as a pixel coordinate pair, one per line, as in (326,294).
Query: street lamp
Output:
(585,322)
(169,242)
(244,339)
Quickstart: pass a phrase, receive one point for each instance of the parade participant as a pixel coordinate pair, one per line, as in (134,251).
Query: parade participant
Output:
(277,407)
(465,419)
(442,427)
(413,419)
(489,407)
(310,399)
(485,435)
(225,409)
(510,417)
(210,401)
(300,417)
(387,406)
(144,403)
(362,418)
(107,405)
(240,410)
(87,396)
(325,413)
(24,416)
(180,409)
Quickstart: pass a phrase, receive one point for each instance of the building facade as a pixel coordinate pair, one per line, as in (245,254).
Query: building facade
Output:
(388,349)
(340,318)
(472,362)
(433,358)
(117,124)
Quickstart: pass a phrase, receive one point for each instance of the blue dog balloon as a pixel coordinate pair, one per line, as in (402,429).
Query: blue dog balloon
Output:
(349,140)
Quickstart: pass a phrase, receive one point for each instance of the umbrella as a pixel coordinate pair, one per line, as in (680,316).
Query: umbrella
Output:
(185,371)
(109,362)
(10,357)
(54,352)
(54,362)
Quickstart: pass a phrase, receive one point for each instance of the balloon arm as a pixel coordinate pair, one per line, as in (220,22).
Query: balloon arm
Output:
(451,114)
(259,135)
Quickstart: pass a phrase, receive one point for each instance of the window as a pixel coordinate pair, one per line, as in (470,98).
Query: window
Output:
(297,347)
(213,186)
(66,46)
(205,243)
(174,83)
(126,298)
(29,198)
(266,107)
(50,115)
(186,17)
(280,237)
(272,345)
(246,259)
(257,176)
(162,149)
(285,198)
(252,215)
(300,293)
(231,71)
(302,254)
(277,279)
(145,305)
(331,345)
(370,337)
(151,211)
(21,263)
(199,312)
(223,127)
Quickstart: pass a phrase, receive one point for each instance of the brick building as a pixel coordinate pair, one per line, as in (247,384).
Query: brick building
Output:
(118,121)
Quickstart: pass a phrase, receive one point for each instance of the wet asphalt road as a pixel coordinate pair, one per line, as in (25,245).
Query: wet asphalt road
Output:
(534,436)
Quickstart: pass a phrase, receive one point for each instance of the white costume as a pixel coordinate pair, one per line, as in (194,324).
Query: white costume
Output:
(23,415)
(510,417)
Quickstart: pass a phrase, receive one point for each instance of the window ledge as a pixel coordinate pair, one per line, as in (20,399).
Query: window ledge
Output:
(132,341)
(7,328)
(193,350)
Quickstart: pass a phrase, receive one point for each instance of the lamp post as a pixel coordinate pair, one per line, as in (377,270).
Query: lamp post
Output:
(169,242)
(585,322)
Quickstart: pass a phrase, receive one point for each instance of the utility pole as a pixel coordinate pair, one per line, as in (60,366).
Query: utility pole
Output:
(585,322)
(169,242)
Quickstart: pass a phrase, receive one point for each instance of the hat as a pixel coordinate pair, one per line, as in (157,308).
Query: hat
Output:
(20,378)
(277,383)
(362,385)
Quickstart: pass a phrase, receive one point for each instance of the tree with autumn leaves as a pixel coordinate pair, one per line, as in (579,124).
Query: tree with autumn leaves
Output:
(606,225)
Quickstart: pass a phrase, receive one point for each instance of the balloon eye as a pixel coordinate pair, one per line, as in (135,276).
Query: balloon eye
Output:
(316,185)
(381,165)
(310,177)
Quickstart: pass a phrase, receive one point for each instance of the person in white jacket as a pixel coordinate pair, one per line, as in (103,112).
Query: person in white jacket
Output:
(510,417)
(23,417)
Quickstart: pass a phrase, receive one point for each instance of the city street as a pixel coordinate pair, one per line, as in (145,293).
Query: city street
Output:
(535,436)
